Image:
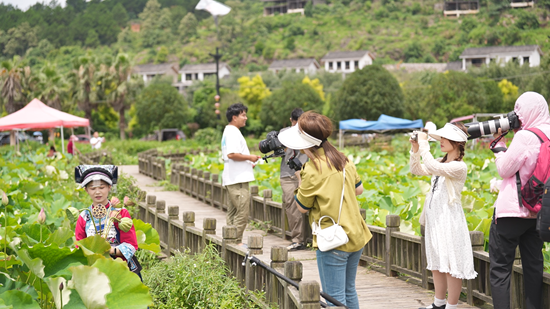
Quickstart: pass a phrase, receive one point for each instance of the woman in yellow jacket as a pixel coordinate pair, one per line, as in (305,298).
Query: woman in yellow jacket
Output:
(320,192)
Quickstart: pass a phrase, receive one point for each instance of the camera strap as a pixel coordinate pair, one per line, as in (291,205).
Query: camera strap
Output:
(495,141)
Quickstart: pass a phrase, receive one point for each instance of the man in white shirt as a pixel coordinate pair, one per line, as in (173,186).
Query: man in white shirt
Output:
(96,141)
(237,171)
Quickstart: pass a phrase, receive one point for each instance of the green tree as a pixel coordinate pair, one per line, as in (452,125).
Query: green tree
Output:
(308,9)
(368,93)
(155,28)
(290,43)
(254,92)
(413,52)
(276,108)
(51,87)
(83,84)
(162,55)
(19,39)
(161,106)
(92,40)
(11,72)
(120,15)
(527,20)
(188,27)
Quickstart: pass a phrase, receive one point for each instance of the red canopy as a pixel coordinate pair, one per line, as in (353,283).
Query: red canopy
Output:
(37,115)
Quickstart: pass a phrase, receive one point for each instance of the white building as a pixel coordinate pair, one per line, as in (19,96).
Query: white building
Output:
(530,54)
(347,61)
(149,71)
(308,65)
(192,72)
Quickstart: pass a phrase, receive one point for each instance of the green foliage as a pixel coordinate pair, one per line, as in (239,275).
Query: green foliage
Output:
(527,20)
(413,52)
(276,108)
(188,27)
(368,93)
(36,258)
(162,55)
(290,43)
(92,39)
(208,136)
(206,283)
(160,106)
(17,40)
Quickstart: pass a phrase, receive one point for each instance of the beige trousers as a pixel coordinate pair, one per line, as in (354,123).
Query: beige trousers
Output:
(294,216)
(239,207)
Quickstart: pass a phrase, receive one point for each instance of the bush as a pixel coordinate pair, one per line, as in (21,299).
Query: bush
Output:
(368,93)
(195,281)
(208,136)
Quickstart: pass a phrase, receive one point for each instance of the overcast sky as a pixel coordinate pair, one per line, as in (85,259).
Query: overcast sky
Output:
(25,4)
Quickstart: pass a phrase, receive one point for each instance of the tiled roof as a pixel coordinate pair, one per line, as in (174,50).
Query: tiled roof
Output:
(155,68)
(293,63)
(345,55)
(493,50)
(202,67)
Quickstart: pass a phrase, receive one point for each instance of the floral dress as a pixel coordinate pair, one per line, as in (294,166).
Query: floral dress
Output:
(448,246)
(125,242)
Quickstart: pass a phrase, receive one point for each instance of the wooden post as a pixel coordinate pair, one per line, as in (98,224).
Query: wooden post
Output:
(161,205)
(206,187)
(255,244)
(363,213)
(267,197)
(188,220)
(279,255)
(515,288)
(478,240)
(253,193)
(229,236)
(392,225)
(208,228)
(193,186)
(151,201)
(309,295)
(213,197)
(173,215)
(293,271)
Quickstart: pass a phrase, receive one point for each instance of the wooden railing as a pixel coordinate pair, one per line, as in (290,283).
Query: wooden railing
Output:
(96,157)
(390,251)
(153,163)
(178,234)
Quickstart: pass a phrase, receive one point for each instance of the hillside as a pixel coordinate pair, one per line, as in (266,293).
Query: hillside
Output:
(394,30)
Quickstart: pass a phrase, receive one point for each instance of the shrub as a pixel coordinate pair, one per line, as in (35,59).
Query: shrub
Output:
(195,281)
(208,136)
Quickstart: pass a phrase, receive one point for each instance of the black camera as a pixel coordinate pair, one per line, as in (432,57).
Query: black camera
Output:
(478,129)
(272,143)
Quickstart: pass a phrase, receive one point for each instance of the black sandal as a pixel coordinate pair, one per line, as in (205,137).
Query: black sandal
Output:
(433,306)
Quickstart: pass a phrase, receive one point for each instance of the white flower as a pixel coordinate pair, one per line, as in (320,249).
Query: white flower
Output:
(50,170)
(63,175)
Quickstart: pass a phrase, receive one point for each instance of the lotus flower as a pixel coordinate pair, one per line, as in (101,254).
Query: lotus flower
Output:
(42,216)
(5,199)
(50,170)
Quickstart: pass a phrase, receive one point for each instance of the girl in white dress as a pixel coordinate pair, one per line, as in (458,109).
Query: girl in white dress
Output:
(448,247)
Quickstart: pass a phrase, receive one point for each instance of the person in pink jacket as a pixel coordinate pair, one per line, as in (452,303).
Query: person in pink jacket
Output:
(514,225)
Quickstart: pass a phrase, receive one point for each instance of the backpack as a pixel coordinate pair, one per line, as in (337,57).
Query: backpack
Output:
(531,192)
(534,194)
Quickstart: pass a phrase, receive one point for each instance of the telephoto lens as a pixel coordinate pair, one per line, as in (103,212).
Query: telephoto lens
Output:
(478,129)
(270,143)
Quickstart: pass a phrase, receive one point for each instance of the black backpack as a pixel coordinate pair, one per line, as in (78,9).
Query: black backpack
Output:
(543,217)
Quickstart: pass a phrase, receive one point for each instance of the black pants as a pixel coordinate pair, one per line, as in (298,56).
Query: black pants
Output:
(504,238)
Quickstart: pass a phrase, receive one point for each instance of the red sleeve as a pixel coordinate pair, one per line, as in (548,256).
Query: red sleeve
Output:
(130,236)
(80,230)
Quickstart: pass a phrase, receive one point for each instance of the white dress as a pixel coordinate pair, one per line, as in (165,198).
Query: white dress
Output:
(448,246)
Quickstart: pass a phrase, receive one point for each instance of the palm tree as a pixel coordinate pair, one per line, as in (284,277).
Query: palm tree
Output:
(10,78)
(51,86)
(119,87)
(83,81)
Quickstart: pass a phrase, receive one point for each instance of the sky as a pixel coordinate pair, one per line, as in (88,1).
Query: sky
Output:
(25,4)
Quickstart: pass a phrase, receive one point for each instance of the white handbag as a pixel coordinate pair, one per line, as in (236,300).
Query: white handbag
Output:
(333,236)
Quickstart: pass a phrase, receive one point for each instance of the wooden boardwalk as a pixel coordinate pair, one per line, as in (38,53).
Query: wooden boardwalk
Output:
(375,290)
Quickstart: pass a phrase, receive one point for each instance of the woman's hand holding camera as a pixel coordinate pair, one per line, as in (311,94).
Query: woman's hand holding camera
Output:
(417,136)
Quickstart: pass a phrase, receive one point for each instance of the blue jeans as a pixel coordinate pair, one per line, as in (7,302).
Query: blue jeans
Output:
(338,270)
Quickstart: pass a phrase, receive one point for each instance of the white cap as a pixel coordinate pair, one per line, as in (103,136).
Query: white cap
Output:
(294,138)
(450,132)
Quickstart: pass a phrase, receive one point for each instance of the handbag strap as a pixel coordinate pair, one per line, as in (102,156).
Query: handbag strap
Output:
(342,198)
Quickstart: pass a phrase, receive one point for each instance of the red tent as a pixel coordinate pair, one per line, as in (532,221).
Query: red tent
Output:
(37,115)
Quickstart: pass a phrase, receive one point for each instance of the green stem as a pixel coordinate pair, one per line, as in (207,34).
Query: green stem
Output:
(40,233)
(61,298)
(5,241)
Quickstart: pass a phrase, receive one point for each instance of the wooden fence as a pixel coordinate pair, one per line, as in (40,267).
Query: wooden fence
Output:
(177,234)
(390,251)
(96,157)
(153,163)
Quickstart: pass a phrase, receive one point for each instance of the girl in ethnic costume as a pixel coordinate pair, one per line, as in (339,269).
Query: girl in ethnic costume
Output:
(96,219)
(448,247)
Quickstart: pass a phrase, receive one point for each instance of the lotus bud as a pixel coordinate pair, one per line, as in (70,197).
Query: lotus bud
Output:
(61,286)
(50,170)
(42,216)
(125,224)
(126,200)
(5,199)
(72,214)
